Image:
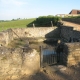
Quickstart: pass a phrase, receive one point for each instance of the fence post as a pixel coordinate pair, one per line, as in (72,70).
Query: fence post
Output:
(33,25)
(41,57)
(51,24)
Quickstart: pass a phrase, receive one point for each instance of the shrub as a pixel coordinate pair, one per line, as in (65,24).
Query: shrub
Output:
(46,20)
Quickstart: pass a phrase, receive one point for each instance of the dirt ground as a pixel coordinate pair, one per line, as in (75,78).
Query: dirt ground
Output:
(70,73)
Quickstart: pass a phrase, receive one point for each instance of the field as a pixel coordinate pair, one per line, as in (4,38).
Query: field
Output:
(15,24)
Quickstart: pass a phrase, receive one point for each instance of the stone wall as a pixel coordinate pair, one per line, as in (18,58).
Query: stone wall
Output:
(15,63)
(70,32)
(76,35)
(66,32)
(36,32)
(6,37)
(41,32)
(71,52)
(67,15)
(73,20)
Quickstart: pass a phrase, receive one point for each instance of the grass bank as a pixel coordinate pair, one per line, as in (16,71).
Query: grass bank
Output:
(15,24)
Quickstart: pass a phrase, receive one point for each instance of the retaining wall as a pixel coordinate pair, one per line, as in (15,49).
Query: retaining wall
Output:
(15,63)
(71,54)
(6,37)
(66,32)
(36,32)
(73,20)
(47,32)
(70,32)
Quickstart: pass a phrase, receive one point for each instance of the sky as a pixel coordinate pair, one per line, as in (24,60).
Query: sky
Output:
(13,9)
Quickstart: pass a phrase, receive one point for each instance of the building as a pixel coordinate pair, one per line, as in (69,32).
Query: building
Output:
(74,11)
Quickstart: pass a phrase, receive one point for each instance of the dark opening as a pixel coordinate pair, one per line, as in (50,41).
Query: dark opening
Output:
(59,51)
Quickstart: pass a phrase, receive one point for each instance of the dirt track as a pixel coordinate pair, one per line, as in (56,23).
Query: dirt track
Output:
(70,24)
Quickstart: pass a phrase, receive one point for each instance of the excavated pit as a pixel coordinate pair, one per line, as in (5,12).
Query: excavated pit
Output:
(21,57)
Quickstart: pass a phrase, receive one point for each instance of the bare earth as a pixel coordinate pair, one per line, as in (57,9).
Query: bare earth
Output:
(70,24)
(70,73)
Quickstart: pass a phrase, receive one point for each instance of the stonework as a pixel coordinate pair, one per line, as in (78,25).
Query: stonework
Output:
(9,35)
(66,32)
(35,32)
(6,37)
(71,53)
(73,20)
(15,63)
(70,31)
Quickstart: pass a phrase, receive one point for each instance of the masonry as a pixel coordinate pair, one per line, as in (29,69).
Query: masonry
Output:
(41,32)
(70,32)
(15,62)
(71,54)
(73,20)
(70,36)
(64,32)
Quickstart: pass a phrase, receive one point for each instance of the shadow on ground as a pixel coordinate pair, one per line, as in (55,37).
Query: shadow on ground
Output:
(37,76)
(70,73)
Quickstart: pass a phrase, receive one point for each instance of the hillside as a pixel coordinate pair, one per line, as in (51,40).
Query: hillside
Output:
(15,24)
(42,21)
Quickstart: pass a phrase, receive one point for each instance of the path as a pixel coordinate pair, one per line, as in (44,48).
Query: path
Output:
(70,24)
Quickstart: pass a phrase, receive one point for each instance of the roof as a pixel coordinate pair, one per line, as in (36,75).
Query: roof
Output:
(74,11)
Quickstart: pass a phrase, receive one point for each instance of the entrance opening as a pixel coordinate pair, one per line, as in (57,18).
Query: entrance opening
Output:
(50,57)
(59,52)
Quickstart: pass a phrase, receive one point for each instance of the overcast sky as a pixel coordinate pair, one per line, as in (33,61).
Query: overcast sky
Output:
(13,9)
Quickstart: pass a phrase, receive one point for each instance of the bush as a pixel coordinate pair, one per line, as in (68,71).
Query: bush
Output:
(46,20)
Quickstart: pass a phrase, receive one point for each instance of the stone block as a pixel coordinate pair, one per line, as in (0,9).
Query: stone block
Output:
(70,63)
(70,58)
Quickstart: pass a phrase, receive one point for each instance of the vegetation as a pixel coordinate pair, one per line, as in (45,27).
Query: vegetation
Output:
(40,21)
(46,21)
(16,43)
(15,24)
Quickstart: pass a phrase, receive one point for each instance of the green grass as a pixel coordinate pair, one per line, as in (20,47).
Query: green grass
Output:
(15,24)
